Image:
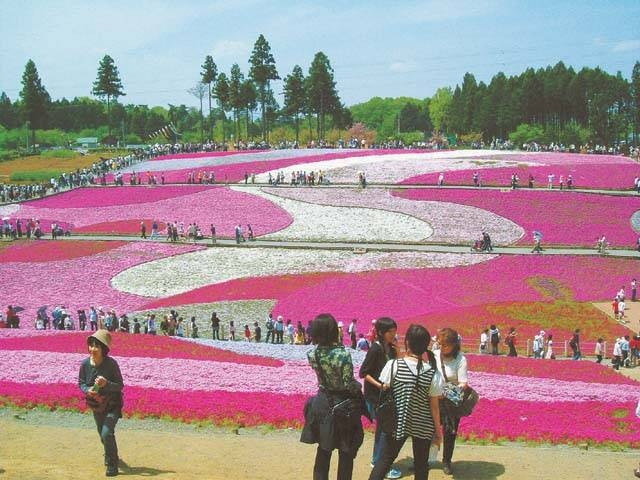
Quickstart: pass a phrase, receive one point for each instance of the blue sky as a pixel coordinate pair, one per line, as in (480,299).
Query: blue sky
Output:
(376,48)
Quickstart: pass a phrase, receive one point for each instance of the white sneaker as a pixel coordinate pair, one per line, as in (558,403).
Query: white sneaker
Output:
(393,473)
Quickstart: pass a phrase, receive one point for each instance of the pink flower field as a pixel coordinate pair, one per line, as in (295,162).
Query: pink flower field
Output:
(149,346)
(443,294)
(616,176)
(564,218)
(234,172)
(77,282)
(119,210)
(99,197)
(541,406)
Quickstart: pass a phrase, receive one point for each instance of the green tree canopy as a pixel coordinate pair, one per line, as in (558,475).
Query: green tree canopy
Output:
(262,71)
(322,97)
(35,99)
(295,96)
(108,84)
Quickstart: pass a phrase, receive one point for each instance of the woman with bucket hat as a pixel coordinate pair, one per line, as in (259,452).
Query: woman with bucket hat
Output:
(101,382)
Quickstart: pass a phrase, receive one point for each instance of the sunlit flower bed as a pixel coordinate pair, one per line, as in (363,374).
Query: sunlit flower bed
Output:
(618,176)
(233,168)
(446,294)
(388,166)
(312,222)
(76,281)
(120,210)
(217,266)
(537,407)
(451,222)
(566,218)
(147,346)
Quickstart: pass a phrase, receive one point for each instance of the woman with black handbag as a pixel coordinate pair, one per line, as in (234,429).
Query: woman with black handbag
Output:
(333,416)
(452,365)
(381,351)
(415,388)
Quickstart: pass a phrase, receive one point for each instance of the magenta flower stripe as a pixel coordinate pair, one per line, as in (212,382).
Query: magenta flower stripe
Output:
(220,206)
(565,218)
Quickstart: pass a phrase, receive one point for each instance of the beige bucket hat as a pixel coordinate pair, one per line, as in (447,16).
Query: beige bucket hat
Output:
(103,336)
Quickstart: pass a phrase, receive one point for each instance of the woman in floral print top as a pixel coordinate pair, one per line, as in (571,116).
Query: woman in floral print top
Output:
(333,415)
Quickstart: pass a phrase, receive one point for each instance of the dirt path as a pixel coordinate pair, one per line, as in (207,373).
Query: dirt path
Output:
(632,314)
(43,445)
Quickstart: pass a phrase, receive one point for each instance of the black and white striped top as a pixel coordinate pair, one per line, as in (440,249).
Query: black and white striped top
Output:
(412,392)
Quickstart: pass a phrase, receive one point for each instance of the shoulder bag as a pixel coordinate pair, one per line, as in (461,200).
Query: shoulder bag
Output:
(386,413)
(459,402)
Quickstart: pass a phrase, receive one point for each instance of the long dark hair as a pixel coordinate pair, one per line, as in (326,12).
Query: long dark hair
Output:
(383,325)
(324,330)
(417,340)
(450,337)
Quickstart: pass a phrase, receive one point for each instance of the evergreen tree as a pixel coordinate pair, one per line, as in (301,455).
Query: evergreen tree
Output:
(635,102)
(236,102)
(209,73)
(35,99)
(295,96)
(263,70)
(249,101)
(322,96)
(222,94)
(8,113)
(108,84)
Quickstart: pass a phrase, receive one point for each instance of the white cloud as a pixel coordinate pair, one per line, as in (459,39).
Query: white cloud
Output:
(231,48)
(626,46)
(403,67)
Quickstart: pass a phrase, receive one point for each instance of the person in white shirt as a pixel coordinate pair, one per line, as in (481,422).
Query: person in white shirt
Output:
(617,354)
(549,354)
(621,308)
(484,341)
(452,365)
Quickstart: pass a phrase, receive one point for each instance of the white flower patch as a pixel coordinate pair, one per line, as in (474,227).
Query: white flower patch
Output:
(393,168)
(8,210)
(323,223)
(451,222)
(285,352)
(182,273)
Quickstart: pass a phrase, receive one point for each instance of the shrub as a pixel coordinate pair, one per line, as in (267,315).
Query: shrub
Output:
(34,176)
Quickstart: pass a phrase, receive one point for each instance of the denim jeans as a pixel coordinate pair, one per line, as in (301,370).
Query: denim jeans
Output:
(379,438)
(323,461)
(106,424)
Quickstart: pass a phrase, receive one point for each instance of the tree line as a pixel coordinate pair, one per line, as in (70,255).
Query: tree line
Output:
(230,100)
(552,104)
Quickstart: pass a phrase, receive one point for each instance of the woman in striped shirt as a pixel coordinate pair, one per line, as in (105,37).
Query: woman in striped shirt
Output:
(416,389)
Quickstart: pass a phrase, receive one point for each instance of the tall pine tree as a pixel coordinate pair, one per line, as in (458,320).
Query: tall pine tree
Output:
(321,90)
(209,73)
(295,96)
(108,84)
(263,70)
(35,99)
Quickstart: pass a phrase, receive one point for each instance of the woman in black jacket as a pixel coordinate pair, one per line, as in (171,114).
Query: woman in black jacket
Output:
(382,350)
(101,382)
(332,416)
